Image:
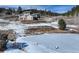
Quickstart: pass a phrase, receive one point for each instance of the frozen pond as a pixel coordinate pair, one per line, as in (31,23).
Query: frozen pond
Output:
(65,42)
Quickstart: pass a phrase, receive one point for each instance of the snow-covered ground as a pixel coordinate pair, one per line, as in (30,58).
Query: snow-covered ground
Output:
(65,42)
(17,25)
(46,43)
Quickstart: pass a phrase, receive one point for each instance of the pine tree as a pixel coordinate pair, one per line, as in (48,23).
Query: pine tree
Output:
(62,24)
(19,10)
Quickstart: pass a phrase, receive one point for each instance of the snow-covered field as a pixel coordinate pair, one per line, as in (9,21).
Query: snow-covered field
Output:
(45,43)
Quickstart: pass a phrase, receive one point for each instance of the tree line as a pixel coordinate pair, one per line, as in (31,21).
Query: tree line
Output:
(20,11)
(72,12)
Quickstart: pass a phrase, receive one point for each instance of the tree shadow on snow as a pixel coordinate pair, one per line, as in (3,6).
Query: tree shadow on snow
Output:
(16,45)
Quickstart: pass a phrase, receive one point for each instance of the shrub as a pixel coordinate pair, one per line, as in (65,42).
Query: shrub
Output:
(62,24)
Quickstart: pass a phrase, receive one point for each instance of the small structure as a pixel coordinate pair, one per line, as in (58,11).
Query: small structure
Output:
(25,17)
(28,16)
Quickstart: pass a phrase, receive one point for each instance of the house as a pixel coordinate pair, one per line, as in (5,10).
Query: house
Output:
(25,17)
(28,16)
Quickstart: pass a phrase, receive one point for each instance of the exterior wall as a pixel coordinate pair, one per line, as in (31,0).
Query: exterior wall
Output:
(29,17)
(26,17)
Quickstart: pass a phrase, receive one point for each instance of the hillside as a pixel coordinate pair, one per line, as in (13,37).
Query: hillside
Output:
(42,12)
(73,12)
(9,11)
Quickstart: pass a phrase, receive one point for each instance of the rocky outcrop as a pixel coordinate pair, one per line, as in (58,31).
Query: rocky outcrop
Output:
(5,36)
(3,41)
(12,37)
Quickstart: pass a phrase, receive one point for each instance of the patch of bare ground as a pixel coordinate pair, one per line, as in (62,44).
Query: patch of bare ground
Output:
(10,18)
(32,21)
(42,30)
(48,29)
(73,30)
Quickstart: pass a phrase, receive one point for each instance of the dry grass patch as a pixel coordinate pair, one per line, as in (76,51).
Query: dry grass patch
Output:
(32,21)
(43,29)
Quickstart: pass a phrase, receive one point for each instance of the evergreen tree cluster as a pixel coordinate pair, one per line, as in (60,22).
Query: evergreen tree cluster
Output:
(72,12)
(62,24)
(20,10)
